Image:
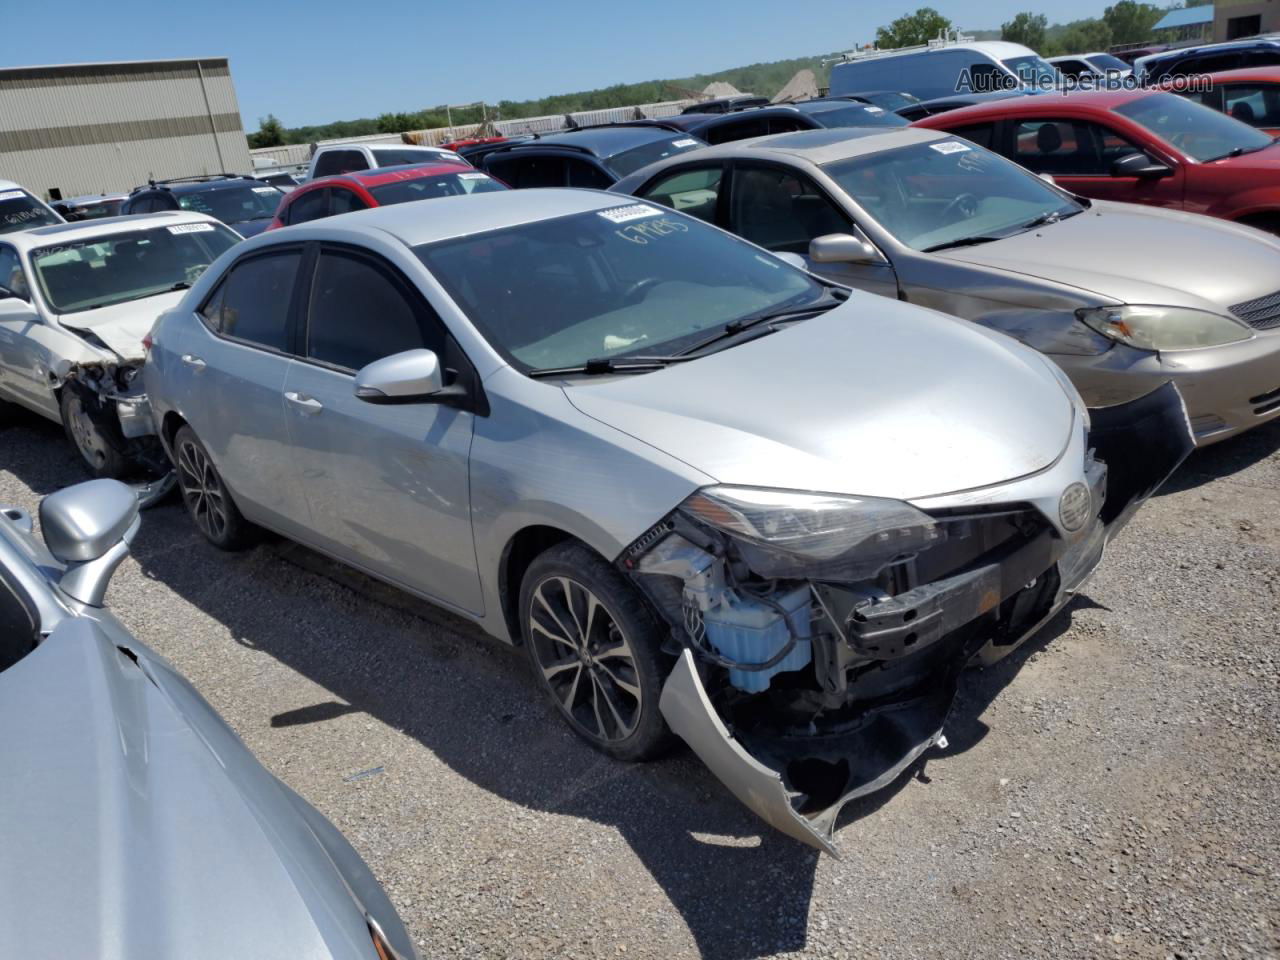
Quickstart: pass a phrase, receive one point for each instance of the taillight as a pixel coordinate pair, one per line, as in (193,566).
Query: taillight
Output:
(148,343)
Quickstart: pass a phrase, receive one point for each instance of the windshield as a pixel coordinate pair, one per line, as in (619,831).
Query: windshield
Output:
(1105,61)
(440,185)
(857,115)
(97,209)
(234,204)
(21,211)
(890,100)
(1201,133)
(629,161)
(931,194)
(632,280)
(383,157)
(1032,70)
(129,265)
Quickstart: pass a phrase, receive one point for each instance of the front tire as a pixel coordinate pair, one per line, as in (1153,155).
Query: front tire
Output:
(595,647)
(206,497)
(99,447)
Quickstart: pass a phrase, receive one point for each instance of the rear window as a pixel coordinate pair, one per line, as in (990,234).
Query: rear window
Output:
(383,157)
(235,204)
(857,115)
(439,185)
(21,211)
(629,161)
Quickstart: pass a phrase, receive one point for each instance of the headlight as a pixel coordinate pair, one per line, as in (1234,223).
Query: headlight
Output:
(813,530)
(1164,328)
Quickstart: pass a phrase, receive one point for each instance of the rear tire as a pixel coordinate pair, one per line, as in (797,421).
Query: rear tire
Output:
(596,649)
(207,499)
(101,449)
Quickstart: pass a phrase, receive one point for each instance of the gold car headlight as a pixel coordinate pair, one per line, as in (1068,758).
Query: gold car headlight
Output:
(1164,328)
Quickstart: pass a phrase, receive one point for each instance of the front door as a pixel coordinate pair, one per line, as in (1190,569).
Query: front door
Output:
(24,338)
(387,484)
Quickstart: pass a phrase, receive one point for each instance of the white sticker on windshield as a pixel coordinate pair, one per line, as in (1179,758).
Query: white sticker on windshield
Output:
(265,190)
(687,142)
(634,212)
(950,146)
(874,109)
(12,195)
(192,228)
(473,176)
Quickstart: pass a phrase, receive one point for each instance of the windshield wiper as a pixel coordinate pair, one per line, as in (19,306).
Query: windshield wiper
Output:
(962,242)
(831,298)
(180,285)
(602,365)
(1049,216)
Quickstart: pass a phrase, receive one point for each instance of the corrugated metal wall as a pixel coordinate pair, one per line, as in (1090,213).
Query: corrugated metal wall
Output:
(100,128)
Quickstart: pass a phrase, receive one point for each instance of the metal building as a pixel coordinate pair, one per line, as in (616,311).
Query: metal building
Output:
(108,127)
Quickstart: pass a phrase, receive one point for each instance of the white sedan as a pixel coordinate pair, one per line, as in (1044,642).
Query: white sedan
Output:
(76,301)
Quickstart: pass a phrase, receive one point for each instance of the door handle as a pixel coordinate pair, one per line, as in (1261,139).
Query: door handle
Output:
(194,362)
(308,405)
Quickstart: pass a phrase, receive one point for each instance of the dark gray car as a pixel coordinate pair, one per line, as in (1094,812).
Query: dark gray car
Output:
(134,823)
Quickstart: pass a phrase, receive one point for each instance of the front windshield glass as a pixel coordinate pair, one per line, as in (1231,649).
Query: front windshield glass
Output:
(234,204)
(630,280)
(1105,61)
(1032,70)
(1198,131)
(937,193)
(21,211)
(857,115)
(129,265)
(629,161)
(439,185)
(384,157)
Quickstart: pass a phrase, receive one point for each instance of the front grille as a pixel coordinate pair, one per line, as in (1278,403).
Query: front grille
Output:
(1261,314)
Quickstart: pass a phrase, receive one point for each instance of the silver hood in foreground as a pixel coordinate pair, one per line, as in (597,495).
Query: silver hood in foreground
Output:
(133,824)
(873,398)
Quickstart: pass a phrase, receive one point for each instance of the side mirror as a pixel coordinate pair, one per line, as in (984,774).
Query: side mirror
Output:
(414,376)
(843,248)
(1139,165)
(89,528)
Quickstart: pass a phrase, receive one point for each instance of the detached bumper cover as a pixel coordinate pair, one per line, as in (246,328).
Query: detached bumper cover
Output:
(1141,442)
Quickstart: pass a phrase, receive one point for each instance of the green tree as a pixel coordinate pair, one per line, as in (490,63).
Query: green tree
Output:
(1085,36)
(1130,21)
(270,132)
(1027,29)
(913,29)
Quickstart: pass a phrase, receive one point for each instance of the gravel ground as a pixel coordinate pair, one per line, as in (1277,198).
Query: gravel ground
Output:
(1109,791)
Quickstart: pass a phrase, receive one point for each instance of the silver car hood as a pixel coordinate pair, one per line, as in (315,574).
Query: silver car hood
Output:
(123,832)
(122,326)
(1136,254)
(874,398)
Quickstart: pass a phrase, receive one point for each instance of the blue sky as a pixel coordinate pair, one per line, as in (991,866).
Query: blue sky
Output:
(323,60)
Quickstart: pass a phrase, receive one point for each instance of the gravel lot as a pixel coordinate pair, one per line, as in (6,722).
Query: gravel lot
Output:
(1110,791)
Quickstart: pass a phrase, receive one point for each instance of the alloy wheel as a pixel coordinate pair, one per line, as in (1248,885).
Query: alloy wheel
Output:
(202,490)
(84,434)
(585,658)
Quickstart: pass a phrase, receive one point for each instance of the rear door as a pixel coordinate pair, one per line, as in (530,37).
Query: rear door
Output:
(387,483)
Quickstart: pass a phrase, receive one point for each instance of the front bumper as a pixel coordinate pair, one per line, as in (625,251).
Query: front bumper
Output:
(977,615)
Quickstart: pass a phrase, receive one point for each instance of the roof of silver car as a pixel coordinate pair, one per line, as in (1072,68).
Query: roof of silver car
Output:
(835,143)
(86,229)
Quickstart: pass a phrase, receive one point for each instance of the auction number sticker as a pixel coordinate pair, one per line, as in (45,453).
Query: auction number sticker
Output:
(265,190)
(12,195)
(637,211)
(950,146)
(687,142)
(874,109)
(192,228)
(473,176)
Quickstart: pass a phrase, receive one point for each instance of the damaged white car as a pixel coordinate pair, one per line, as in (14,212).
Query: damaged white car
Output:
(709,493)
(76,301)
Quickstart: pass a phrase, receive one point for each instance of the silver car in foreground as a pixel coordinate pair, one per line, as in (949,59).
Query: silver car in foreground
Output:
(1122,297)
(707,492)
(133,822)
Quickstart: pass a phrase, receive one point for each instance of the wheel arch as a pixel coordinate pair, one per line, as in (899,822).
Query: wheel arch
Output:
(519,552)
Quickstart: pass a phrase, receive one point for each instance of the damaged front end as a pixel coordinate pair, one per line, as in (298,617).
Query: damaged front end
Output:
(822,637)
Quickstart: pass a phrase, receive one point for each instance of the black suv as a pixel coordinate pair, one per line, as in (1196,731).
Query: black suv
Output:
(596,157)
(246,204)
(739,124)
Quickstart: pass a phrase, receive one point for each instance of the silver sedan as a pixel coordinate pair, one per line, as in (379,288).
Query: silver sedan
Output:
(704,490)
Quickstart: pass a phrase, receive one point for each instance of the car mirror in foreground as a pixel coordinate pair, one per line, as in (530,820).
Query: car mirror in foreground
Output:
(1139,165)
(843,248)
(414,376)
(89,527)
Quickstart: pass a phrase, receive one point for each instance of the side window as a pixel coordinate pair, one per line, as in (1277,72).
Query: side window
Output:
(534,171)
(583,173)
(254,300)
(342,200)
(212,309)
(738,130)
(1054,147)
(311,205)
(786,125)
(781,211)
(340,161)
(362,311)
(12,276)
(988,78)
(979,133)
(694,192)
(1071,68)
(141,204)
(1254,104)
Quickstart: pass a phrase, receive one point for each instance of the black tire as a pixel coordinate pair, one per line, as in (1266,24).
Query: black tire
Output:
(101,448)
(621,652)
(206,497)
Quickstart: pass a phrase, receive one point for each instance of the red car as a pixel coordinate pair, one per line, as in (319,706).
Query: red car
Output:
(1138,146)
(329,196)
(1252,96)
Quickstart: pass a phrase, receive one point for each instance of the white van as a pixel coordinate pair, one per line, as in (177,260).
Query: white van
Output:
(943,68)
